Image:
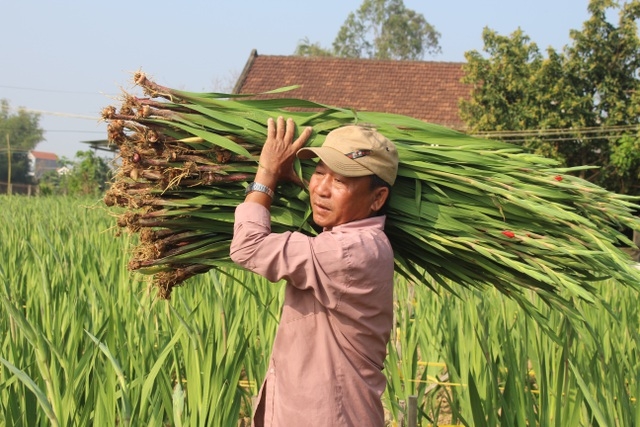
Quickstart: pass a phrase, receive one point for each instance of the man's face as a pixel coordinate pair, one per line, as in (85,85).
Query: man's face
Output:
(336,199)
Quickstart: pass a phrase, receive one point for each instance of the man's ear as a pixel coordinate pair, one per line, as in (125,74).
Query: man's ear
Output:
(380,196)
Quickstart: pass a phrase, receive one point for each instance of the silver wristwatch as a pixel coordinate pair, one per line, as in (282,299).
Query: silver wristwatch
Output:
(256,186)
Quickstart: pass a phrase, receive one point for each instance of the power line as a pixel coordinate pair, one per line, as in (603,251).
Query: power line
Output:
(554,132)
(56,130)
(566,139)
(57,113)
(33,89)
(72,131)
(581,135)
(61,114)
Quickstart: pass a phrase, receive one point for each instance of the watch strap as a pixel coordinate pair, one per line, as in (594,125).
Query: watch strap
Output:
(256,186)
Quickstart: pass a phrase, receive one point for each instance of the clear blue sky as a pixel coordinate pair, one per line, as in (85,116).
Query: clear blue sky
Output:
(69,59)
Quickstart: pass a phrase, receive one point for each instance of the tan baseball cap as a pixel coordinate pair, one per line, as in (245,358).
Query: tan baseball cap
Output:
(356,151)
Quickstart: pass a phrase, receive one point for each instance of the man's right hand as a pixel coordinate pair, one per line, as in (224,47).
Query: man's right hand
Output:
(277,156)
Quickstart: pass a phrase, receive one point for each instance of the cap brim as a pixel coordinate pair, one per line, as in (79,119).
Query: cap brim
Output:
(335,160)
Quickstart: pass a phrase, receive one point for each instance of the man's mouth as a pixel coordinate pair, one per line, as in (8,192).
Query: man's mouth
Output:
(319,207)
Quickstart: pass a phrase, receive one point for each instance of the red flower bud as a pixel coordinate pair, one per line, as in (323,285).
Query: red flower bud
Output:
(509,234)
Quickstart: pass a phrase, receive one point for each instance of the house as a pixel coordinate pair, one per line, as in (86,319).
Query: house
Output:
(63,170)
(429,91)
(41,162)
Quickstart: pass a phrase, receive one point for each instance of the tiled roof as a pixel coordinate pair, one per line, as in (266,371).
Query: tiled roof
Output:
(43,155)
(428,91)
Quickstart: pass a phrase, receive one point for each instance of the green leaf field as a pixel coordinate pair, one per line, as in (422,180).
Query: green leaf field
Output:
(86,342)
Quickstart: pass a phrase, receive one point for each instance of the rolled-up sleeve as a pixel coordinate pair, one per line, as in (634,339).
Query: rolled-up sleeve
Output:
(252,225)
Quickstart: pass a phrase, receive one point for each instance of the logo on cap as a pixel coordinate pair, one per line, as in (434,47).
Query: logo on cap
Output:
(357,154)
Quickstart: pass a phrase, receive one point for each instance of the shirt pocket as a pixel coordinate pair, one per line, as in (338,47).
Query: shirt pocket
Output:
(298,304)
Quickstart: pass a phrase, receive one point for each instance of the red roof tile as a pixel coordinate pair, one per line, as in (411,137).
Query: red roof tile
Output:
(44,155)
(429,91)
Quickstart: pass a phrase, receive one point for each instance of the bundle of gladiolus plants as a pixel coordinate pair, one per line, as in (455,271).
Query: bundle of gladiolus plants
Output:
(464,212)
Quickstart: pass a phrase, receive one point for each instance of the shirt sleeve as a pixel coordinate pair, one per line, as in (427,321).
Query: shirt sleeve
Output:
(303,261)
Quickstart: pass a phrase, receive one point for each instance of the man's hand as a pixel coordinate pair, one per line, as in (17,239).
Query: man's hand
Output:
(279,150)
(277,156)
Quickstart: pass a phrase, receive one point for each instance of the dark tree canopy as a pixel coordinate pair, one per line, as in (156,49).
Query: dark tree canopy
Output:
(22,128)
(580,105)
(20,132)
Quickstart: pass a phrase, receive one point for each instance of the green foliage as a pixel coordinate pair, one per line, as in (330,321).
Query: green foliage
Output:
(502,83)
(380,29)
(22,128)
(306,48)
(627,155)
(88,175)
(51,183)
(19,167)
(19,133)
(84,344)
(580,105)
(386,29)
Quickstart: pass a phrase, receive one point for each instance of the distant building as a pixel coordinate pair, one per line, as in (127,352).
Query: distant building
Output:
(41,162)
(63,170)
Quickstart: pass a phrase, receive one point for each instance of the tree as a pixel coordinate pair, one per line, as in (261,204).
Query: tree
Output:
(90,175)
(306,48)
(380,29)
(19,133)
(17,165)
(87,175)
(579,105)
(501,84)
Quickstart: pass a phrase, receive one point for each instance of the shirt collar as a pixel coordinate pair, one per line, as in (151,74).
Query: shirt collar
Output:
(374,221)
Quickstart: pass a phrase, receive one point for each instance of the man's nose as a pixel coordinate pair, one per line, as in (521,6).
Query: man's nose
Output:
(323,186)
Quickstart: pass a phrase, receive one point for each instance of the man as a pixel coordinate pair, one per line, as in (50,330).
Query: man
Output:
(328,355)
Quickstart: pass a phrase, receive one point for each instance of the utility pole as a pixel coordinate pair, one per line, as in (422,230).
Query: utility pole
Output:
(8,165)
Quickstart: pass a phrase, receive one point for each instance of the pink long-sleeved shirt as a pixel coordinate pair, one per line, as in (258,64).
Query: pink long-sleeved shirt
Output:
(329,350)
